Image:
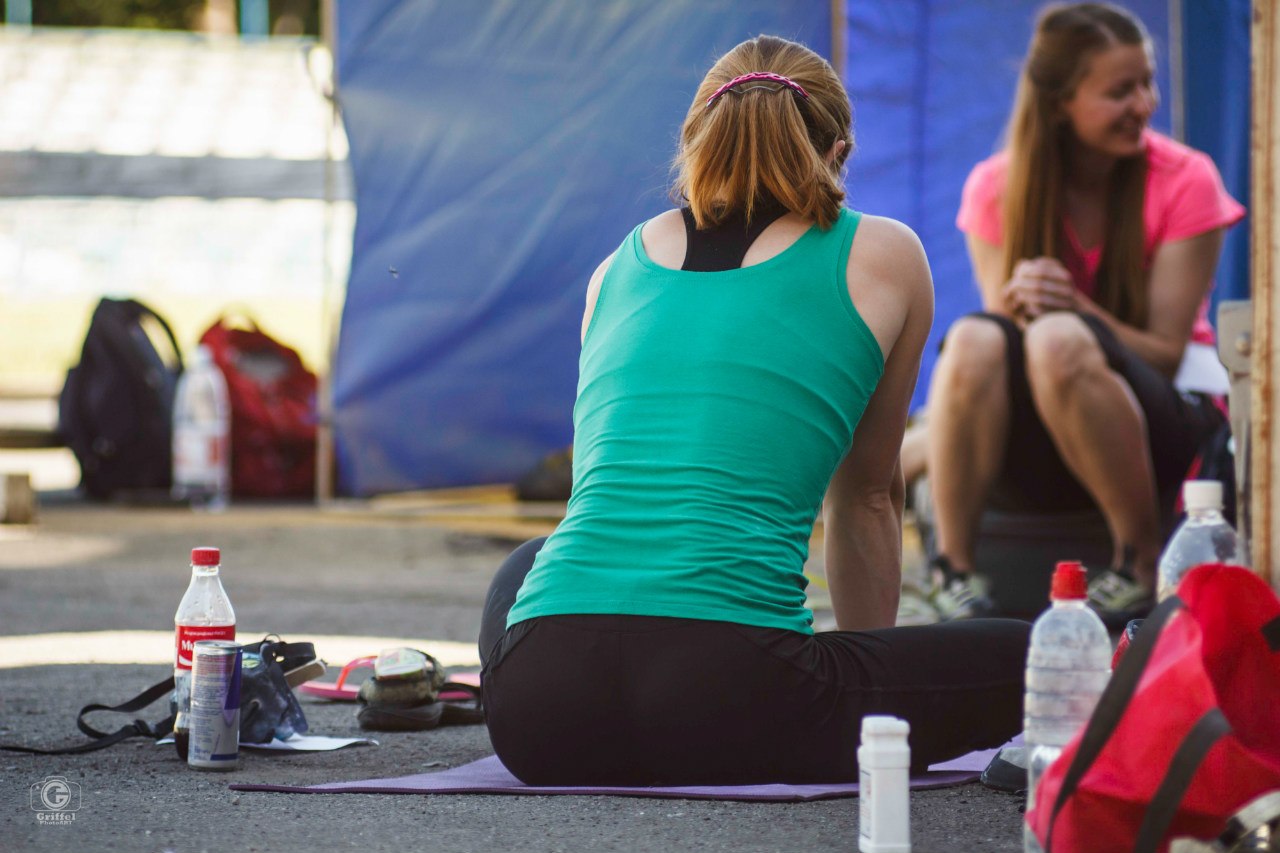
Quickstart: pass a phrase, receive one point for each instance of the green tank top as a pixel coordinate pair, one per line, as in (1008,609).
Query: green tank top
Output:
(712,410)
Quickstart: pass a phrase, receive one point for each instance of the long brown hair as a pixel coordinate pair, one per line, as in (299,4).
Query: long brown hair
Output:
(1066,38)
(759,141)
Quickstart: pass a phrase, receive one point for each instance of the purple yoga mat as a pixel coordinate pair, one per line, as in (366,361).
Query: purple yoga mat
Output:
(488,776)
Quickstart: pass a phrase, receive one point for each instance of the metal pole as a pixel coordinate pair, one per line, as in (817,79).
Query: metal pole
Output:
(1177,72)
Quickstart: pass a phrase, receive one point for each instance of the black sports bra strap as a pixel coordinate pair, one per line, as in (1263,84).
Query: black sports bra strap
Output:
(724,246)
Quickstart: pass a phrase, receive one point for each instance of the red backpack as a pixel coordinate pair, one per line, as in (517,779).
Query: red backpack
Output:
(273,412)
(1187,731)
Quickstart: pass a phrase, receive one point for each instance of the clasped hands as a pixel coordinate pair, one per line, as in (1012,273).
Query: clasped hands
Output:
(1038,286)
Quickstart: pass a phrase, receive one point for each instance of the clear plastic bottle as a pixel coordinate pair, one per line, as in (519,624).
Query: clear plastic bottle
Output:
(1068,665)
(1203,537)
(205,613)
(202,435)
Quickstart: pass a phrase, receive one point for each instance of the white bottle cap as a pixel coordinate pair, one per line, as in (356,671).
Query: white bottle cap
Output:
(877,725)
(1202,494)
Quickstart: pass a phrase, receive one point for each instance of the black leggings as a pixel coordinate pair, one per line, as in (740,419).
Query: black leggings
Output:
(640,700)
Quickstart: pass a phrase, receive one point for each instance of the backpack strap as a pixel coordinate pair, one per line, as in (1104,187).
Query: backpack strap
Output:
(102,740)
(1112,705)
(141,309)
(290,656)
(1271,634)
(1207,731)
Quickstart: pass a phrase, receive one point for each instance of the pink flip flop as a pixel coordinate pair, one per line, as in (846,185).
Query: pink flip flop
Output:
(341,691)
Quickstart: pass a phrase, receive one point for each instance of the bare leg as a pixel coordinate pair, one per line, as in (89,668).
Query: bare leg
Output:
(968,431)
(1100,431)
(914,450)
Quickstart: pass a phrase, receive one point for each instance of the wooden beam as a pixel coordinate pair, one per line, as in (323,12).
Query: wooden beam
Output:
(331,309)
(839,37)
(1264,239)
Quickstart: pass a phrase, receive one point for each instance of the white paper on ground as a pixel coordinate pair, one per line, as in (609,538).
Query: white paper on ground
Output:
(310,743)
(300,743)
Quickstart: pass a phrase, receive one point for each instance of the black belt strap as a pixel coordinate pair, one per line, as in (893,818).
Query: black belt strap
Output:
(289,656)
(102,740)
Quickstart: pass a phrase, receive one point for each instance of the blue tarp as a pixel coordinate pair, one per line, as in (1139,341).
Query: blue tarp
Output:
(502,149)
(1216,86)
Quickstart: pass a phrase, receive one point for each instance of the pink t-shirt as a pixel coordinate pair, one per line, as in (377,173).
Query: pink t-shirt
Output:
(1184,197)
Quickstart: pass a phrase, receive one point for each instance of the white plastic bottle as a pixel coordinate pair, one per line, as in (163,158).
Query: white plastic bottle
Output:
(202,435)
(1203,537)
(884,763)
(205,613)
(1068,665)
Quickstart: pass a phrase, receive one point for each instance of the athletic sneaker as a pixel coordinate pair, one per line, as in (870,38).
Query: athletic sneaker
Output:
(915,606)
(1117,598)
(958,595)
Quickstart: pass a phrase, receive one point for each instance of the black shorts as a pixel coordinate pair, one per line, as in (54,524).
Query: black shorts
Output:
(1035,478)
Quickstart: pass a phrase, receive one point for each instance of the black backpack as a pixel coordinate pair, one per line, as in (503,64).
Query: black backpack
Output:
(116,407)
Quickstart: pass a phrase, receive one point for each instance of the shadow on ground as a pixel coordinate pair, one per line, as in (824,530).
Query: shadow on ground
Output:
(300,571)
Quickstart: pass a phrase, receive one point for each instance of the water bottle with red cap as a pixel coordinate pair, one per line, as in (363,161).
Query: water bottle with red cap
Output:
(1068,665)
(205,613)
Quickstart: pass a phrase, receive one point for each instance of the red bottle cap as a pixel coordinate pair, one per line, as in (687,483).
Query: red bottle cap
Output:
(1068,581)
(206,557)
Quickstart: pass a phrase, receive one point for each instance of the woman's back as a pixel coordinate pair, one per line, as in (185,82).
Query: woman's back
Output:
(712,409)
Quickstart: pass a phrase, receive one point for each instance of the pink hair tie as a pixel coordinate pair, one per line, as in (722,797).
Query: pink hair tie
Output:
(768,76)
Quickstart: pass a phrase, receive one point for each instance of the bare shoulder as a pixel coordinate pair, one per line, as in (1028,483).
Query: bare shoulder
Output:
(664,239)
(888,279)
(885,250)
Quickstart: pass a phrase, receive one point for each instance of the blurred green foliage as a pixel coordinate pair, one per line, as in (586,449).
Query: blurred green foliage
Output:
(288,17)
(146,14)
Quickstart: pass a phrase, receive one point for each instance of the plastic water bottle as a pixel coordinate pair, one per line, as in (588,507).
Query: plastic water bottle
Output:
(884,763)
(205,613)
(1068,665)
(1203,537)
(202,435)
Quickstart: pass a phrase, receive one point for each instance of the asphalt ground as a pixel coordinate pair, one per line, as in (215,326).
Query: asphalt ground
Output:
(303,572)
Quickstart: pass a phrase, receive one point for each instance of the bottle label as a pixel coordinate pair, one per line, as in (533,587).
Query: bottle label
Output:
(188,635)
(198,456)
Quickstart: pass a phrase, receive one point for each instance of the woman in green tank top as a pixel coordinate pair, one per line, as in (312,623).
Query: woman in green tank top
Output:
(747,361)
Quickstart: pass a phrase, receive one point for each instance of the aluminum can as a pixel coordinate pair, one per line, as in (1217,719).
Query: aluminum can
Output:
(215,705)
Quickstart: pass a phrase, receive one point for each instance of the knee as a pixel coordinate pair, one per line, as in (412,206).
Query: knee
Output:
(973,359)
(1061,350)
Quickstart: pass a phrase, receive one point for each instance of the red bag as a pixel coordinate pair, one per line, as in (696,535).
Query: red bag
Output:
(273,420)
(1187,731)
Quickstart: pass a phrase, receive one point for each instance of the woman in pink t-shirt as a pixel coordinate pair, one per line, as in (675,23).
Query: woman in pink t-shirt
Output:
(1094,241)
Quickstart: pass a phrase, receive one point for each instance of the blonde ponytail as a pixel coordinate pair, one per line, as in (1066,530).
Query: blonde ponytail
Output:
(746,143)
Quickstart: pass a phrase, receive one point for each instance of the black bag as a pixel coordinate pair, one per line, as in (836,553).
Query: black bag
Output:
(268,707)
(116,408)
